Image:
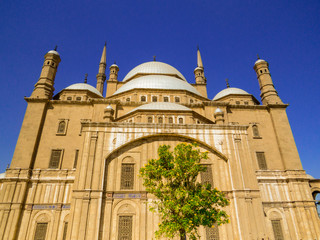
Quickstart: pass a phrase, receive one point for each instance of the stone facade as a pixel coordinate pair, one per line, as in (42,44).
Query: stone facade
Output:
(74,173)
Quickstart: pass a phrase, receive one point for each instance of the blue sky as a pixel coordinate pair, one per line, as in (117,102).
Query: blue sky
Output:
(229,33)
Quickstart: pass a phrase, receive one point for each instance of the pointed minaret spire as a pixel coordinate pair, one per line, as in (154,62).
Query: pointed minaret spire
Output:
(101,76)
(199,71)
(103,59)
(199,60)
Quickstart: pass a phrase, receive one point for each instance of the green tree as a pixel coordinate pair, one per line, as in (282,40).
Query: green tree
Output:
(183,203)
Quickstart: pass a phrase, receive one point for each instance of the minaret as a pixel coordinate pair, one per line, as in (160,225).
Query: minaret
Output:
(199,71)
(101,76)
(45,86)
(268,94)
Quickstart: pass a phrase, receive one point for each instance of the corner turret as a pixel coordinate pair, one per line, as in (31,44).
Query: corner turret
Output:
(268,94)
(45,86)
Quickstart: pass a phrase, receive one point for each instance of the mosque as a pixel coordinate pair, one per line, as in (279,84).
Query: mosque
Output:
(74,173)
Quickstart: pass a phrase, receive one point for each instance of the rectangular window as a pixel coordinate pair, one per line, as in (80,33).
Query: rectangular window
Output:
(127,176)
(41,231)
(125,228)
(76,159)
(206,177)
(212,233)
(277,230)
(166,99)
(65,228)
(261,160)
(55,158)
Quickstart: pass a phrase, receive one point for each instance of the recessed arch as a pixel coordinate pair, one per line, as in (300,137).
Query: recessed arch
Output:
(139,141)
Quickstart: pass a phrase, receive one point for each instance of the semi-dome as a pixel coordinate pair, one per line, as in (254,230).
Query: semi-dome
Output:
(83,86)
(157,82)
(229,91)
(158,68)
(162,106)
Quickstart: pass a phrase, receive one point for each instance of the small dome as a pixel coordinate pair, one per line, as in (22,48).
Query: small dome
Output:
(157,82)
(83,86)
(114,65)
(218,110)
(162,106)
(54,52)
(154,68)
(109,107)
(259,60)
(229,91)
(310,177)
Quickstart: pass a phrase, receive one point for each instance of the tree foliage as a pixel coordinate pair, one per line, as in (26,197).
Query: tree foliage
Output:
(183,203)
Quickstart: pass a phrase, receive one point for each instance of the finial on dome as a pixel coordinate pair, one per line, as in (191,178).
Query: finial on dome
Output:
(227,82)
(258,56)
(86,78)
(105,43)
(154,58)
(55,48)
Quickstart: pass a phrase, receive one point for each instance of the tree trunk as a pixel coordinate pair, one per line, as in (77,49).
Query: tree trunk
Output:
(182,234)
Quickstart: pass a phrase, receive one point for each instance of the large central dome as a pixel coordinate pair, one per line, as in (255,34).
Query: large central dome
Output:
(153,68)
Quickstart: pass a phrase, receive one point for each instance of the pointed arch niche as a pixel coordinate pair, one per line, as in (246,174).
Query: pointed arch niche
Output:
(136,200)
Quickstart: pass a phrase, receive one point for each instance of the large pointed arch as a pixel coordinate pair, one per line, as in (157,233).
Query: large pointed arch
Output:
(139,141)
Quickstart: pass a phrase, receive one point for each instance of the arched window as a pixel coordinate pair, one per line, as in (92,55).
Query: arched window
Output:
(127,176)
(160,120)
(143,98)
(125,228)
(166,99)
(154,99)
(255,131)
(61,127)
(149,119)
(177,99)
(41,231)
(181,120)
(170,119)
(316,197)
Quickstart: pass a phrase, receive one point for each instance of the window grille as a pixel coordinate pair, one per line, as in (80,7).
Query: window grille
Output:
(166,99)
(277,230)
(65,228)
(55,158)
(78,98)
(206,176)
(125,228)
(61,127)
(69,98)
(160,120)
(212,233)
(170,120)
(143,98)
(177,99)
(255,131)
(261,161)
(181,120)
(149,119)
(41,231)
(76,159)
(127,175)
(154,99)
